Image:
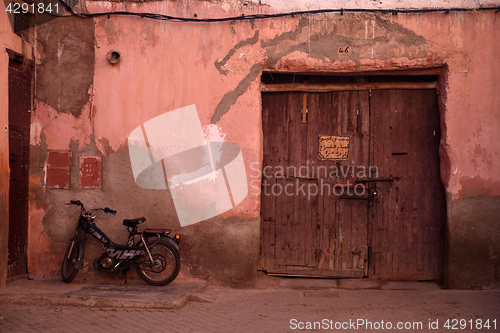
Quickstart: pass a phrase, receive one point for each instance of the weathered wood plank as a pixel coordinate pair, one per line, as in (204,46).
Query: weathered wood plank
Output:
(277,155)
(359,231)
(306,272)
(376,72)
(329,87)
(295,245)
(267,245)
(331,254)
(322,258)
(313,215)
(293,226)
(304,108)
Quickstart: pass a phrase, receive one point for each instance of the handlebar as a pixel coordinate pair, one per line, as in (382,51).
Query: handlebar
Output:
(79,203)
(109,210)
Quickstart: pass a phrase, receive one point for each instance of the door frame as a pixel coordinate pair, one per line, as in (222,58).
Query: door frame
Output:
(438,84)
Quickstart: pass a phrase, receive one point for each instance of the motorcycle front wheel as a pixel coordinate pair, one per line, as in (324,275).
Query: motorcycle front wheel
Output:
(68,270)
(165,267)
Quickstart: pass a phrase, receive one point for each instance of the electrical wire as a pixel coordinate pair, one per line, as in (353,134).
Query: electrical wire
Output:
(265,16)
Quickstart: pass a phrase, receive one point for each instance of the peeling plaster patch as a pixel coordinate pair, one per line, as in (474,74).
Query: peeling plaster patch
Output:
(289,35)
(38,156)
(249,41)
(410,37)
(324,46)
(321,46)
(104,147)
(35,130)
(69,51)
(60,128)
(476,186)
(230,97)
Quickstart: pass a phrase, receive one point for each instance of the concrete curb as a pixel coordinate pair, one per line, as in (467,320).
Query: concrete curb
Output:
(50,293)
(90,301)
(355,284)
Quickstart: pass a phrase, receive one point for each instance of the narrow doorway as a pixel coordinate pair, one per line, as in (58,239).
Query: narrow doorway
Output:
(19,145)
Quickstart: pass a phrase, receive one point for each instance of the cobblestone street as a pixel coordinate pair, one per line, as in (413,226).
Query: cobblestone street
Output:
(232,310)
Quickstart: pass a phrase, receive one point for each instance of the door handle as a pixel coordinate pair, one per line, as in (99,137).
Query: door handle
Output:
(374,193)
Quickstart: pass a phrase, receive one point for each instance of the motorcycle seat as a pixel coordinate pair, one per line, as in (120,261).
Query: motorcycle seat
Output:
(133,222)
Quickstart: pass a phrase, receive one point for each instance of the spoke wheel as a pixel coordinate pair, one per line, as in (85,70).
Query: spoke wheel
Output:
(68,270)
(165,267)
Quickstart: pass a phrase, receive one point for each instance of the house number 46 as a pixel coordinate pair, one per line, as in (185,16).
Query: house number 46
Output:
(344,49)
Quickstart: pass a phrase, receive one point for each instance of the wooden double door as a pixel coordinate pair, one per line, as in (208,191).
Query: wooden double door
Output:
(351,184)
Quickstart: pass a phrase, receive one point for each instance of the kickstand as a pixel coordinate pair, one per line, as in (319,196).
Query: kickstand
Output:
(124,277)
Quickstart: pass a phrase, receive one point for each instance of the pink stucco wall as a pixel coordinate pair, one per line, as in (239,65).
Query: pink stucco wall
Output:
(166,65)
(216,66)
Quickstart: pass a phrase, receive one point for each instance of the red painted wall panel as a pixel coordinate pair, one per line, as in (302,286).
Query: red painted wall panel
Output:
(90,172)
(58,163)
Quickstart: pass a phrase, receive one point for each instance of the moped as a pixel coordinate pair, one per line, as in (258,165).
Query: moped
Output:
(156,256)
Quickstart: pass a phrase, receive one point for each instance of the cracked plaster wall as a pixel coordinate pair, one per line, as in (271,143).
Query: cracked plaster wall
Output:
(168,65)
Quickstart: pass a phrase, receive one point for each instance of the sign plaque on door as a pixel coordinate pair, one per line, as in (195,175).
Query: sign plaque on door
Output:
(333,147)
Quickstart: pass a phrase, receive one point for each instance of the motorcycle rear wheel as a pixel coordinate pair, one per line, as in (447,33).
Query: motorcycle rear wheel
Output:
(165,267)
(68,270)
